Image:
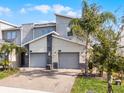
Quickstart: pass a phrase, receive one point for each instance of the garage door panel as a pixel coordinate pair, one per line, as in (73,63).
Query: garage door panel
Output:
(38,60)
(69,60)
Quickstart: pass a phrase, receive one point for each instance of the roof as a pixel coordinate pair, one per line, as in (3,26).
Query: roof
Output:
(53,32)
(70,17)
(55,35)
(5,22)
(10,29)
(44,25)
(59,37)
(34,26)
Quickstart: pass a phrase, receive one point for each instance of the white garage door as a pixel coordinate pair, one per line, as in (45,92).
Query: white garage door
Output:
(69,60)
(38,60)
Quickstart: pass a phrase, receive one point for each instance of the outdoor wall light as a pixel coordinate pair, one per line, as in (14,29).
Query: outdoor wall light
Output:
(49,53)
(82,54)
(68,29)
(26,53)
(55,53)
(59,51)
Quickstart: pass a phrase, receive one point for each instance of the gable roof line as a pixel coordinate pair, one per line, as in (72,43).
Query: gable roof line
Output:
(5,22)
(70,17)
(53,32)
(10,29)
(67,40)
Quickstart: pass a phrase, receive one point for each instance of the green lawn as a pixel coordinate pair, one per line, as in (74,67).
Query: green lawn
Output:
(83,85)
(7,73)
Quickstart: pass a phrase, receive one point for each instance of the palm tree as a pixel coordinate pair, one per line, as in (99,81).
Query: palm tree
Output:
(7,49)
(91,21)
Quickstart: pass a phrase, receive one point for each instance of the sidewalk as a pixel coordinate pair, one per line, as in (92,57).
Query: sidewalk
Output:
(18,90)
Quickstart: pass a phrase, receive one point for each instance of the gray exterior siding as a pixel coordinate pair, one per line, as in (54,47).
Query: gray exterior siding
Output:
(27,32)
(62,27)
(62,24)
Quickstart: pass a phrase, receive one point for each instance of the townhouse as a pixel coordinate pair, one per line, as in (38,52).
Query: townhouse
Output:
(48,45)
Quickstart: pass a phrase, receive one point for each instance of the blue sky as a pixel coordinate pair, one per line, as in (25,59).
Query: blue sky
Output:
(40,11)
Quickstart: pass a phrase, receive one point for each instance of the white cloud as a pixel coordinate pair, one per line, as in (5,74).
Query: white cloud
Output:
(72,14)
(4,10)
(42,8)
(23,11)
(57,8)
(60,8)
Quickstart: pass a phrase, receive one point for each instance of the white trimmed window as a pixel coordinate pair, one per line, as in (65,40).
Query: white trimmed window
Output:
(11,35)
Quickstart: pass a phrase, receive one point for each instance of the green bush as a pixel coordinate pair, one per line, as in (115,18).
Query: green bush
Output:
(8,72)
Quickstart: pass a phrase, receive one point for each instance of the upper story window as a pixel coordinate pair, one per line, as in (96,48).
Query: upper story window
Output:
(69,32)
(42,31)
(11,35)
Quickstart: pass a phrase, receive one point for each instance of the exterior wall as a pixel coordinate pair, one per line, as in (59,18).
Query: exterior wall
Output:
(62,25)
(39,45)
(2,27)
(121,42)
(66,46)
(14,59)
(30,33)
(17,40)
(43,30)
(26,32)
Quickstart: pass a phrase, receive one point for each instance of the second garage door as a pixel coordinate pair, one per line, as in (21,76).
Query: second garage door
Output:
(69,60)
(38,60)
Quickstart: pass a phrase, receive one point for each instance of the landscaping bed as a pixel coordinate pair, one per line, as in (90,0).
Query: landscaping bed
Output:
(93,85)
(7,73)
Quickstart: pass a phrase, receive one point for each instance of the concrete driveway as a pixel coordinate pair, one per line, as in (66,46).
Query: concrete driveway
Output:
(57,81)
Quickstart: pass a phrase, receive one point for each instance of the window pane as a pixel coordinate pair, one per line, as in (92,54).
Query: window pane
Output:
(13,35)
(8,35)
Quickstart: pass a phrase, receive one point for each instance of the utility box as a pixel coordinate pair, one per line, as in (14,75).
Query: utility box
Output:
(55,65)
(48,67)
(118,82)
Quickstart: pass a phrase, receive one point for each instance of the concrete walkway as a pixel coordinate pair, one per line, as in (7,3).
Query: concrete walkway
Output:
(18,90)
(60,81)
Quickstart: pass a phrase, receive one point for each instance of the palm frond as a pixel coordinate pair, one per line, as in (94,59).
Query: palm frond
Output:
(108,16)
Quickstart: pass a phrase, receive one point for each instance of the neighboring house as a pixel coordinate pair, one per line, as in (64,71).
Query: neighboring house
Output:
(121,41)
(6,25)
(47,44)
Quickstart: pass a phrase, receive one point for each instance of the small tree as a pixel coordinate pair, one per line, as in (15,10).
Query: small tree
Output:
(7,49)
(97,58)
(106,55)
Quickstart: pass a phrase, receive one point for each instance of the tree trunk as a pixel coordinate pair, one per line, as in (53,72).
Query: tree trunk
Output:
(109,77)
(101,72)
(86,56)
(6,59)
